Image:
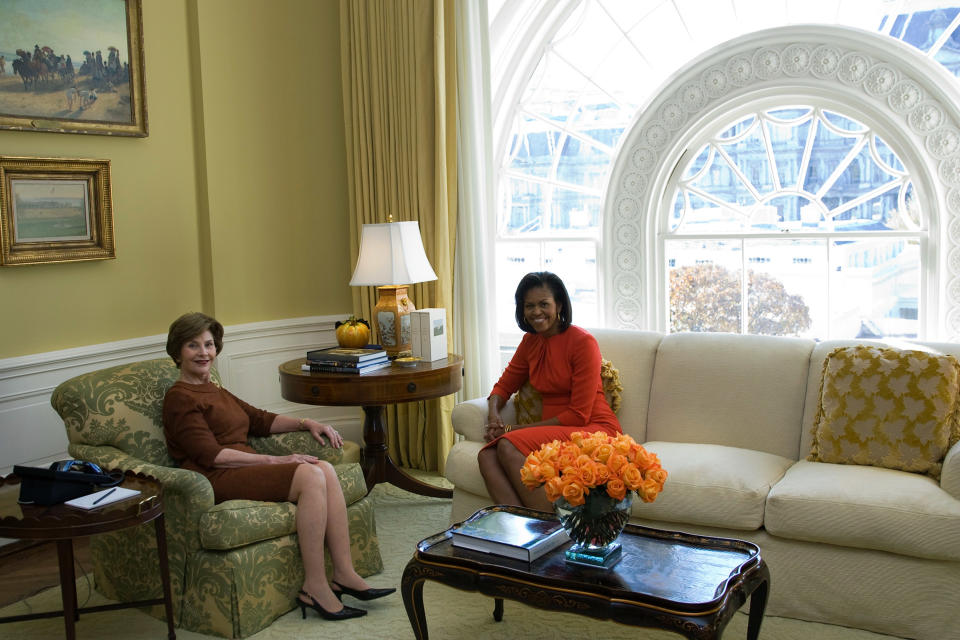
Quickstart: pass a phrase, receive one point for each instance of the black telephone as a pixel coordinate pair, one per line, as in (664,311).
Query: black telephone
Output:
(62,481)
(77,466)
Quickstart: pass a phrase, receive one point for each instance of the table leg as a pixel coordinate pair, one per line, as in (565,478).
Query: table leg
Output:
(377,465)
(758,603)
(498,609)
(161,533)
(68,586)
(411,589)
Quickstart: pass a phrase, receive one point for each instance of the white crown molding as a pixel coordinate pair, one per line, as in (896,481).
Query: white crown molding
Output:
(903,93)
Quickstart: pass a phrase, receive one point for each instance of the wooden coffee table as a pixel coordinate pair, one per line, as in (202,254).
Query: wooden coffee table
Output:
(676,581)
(63,523)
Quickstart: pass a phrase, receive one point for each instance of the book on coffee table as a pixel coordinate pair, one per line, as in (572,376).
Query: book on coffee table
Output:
(509,534)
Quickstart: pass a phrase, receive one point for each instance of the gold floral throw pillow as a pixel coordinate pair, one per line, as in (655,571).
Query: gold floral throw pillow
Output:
(887,408)
(530,405)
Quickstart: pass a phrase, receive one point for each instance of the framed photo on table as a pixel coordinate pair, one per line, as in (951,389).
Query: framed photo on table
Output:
(72,67)
(55,210)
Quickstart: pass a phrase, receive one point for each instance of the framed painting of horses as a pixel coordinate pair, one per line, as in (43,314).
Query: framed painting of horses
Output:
(55,210)
(72,67)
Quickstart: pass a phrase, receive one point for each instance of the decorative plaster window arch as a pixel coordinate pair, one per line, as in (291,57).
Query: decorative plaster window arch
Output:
(900,93)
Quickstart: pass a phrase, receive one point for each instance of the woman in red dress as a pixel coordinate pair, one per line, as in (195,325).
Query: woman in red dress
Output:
(562,362)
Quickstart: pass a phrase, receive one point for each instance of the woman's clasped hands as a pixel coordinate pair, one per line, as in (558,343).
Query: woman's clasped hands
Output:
(495,428)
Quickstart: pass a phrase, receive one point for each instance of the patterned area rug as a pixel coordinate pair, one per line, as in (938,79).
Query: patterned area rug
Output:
(403,519)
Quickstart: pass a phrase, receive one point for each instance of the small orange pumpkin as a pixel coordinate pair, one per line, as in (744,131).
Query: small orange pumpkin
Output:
(353,333)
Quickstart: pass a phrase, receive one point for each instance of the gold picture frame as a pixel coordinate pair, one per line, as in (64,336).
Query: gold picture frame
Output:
(71,68)
(55,210)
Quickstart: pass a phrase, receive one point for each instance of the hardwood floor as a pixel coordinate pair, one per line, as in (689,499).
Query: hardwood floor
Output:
(28,571)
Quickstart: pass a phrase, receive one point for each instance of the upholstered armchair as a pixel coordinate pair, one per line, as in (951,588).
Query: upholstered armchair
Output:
(234,566)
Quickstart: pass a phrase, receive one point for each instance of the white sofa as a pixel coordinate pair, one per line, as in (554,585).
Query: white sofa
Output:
(731,419)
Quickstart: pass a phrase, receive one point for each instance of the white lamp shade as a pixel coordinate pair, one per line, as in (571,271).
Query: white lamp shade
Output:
(391,254)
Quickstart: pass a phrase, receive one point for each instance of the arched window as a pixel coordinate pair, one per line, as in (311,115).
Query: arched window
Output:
(573,78)
(773,231)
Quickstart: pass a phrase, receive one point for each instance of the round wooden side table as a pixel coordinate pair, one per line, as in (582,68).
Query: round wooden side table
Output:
(373,391)
(63,523)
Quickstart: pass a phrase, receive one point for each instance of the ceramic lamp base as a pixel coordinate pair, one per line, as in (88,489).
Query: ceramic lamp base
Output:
(392,318)
(590,556)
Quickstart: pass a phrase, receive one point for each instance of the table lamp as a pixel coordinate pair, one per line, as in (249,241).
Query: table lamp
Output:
(392,258)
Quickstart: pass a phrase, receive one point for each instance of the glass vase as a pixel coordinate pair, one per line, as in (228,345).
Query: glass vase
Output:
(594,527)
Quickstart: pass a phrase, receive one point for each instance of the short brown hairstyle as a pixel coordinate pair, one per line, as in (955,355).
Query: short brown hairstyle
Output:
(188,326)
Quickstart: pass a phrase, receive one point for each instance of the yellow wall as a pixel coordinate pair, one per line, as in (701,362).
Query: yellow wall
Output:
(235,204)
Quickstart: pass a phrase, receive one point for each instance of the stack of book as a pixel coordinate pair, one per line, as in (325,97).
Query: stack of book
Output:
(347,360)
(511,535)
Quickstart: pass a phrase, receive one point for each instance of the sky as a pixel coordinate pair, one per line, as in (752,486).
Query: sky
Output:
(67,26)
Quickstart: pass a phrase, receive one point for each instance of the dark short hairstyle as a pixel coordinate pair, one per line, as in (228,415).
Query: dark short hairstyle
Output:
(188,326)
(551,281)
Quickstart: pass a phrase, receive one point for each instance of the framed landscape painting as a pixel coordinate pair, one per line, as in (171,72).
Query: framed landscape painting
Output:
(72,67)
(55,210)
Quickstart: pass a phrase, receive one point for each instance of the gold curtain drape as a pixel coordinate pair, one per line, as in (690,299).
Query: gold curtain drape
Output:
(399,93)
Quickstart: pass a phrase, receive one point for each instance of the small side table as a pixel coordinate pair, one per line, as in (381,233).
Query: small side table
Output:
(64,523)
(373,391)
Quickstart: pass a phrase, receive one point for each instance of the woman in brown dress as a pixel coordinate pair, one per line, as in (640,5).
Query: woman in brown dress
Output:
(207,427)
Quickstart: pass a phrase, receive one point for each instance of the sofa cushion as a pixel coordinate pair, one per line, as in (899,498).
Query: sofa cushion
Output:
(741,391)
(634,353)
(529,403)
(236,523)
(886,407)
(865,507)
(713,485)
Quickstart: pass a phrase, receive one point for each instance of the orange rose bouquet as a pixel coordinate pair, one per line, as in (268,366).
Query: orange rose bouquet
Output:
(590,478)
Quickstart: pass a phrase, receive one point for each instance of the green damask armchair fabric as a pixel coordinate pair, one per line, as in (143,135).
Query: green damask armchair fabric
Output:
(235,566)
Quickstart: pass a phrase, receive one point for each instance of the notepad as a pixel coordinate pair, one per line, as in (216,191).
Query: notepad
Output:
(86,502)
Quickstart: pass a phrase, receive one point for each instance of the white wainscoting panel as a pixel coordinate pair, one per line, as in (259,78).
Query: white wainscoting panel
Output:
(32,433)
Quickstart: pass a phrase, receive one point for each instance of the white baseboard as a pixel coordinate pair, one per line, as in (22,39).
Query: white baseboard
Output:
(32,433)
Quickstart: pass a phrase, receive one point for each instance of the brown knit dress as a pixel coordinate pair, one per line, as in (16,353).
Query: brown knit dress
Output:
(199,420)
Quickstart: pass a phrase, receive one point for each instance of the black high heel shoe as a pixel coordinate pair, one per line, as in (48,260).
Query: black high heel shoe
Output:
(344,614)
(366,594)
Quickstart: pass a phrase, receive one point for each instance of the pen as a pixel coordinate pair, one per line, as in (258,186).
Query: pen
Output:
(104,495)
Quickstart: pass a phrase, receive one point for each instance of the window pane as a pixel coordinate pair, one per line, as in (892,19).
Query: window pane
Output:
(525,207)
(533,146)
(786,293)
(553,89)
(874,288)
(514,260)
(926,26)
(704,285)
(582,164)
(572,211)
(576,264)
(852,181)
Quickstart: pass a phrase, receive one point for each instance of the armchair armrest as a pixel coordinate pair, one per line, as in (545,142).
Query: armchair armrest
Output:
(187,495)
(283,444)
(470,418)
(950,473)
